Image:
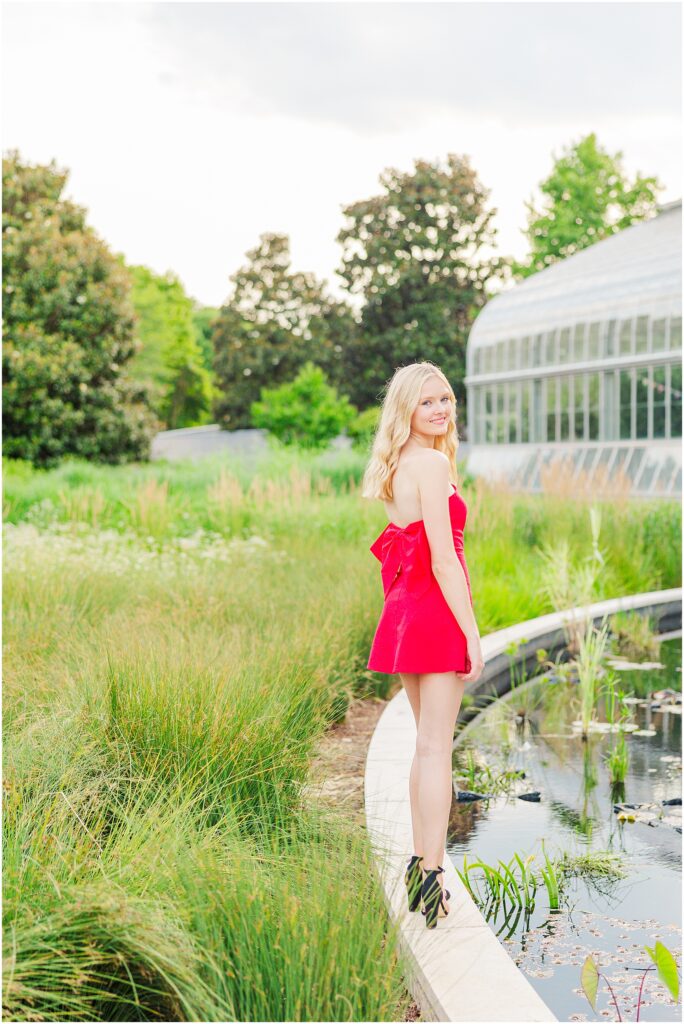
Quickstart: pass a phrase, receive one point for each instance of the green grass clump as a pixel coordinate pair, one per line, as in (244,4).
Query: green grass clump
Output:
(178,638)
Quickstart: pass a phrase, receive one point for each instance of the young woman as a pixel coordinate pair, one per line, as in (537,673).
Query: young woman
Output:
(427,631)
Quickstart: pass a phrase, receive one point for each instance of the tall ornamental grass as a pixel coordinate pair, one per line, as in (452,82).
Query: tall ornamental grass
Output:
(177,639)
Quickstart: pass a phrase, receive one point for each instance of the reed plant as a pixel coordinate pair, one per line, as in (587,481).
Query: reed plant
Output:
(178,637)
(592,646)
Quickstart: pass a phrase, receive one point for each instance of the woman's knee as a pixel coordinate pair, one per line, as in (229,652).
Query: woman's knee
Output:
(431,744)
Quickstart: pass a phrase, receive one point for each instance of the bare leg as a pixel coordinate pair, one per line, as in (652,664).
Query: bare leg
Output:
(440,699)
(410,683)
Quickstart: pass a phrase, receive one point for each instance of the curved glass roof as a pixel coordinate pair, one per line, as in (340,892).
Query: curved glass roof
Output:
(636,271)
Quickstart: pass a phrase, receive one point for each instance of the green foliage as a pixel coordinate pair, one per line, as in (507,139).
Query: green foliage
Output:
(169,362)
(307,412)
(666,965)
(362,429)
(69,330)
(275,321)
(203,318)
(589,979)
(635,635)
(413,252)
(587,198)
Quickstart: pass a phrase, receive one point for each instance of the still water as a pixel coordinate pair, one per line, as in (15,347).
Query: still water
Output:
(610,918)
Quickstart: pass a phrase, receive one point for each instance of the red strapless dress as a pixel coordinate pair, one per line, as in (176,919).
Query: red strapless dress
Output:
(417,631)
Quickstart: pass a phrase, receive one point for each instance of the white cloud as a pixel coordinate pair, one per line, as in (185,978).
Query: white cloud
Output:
(189,129)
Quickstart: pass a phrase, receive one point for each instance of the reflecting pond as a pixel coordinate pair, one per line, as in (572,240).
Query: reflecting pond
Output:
(531,732)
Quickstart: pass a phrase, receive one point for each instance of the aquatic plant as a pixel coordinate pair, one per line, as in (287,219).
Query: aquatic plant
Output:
(480,776)
(568,586)
(518,676)
(601,863)
(500,882)
(617,760)
(592,647)
(553,880)
(617,714)
(635,635)
(663,962)
(514,879)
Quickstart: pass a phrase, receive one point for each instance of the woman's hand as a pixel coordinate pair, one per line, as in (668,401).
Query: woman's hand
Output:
(474,661)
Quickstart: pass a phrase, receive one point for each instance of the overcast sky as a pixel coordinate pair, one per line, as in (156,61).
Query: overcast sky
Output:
(191,128)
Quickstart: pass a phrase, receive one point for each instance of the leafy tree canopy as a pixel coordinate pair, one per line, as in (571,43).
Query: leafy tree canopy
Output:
(275,321)
(69,330)
(587,197)
(169,361)
(420,253)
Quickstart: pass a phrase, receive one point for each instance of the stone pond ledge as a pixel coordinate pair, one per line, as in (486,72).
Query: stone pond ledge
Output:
(459,971)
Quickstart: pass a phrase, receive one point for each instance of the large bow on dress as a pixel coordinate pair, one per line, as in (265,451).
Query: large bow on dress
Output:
(406,553)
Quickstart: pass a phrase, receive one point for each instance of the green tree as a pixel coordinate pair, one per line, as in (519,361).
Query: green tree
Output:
(587,197)
(69,330)
(169,361)
(416,253)
(203,319)
(274,322)
(306,412)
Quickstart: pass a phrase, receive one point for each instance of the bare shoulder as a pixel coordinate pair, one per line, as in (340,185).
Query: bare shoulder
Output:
(431,466)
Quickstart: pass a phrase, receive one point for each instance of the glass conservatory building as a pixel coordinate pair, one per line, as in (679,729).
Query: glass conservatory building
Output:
(581,365)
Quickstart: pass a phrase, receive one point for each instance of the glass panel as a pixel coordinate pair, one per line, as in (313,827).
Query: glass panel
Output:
(579,407)
(661,483)
(646,478)
(524,353)
(677,482)
(500,356)
(476,360)
(550,348)
(551,410)
(595,341)
(635,464)
(659,401)
(564,345)
(564,383)
(676,332)
(500,420)
(658,336)
(513,411)
(601,466)
(610,338)
(538,413)
(626,342)
(592,455)
(676,400)
(610,405)
(489,415)
(593,406)
(527,470)
(578,352)
(525,411)
(577,460)
(621,457)
(537,354)
(488,362)
(641,399)
(641,342)
(625,404)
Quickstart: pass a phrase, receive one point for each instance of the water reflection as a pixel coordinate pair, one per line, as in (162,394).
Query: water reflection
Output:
(576,814)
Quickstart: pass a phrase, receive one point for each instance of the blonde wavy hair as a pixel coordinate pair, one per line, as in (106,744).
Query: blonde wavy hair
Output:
(394,427)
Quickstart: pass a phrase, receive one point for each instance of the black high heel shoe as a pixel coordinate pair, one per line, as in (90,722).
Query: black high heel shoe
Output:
(432,896)
(414,880)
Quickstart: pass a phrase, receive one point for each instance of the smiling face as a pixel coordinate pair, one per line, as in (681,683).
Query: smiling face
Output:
(434,410)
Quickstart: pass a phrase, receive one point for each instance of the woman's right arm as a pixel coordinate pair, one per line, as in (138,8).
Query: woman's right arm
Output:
(434,487)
